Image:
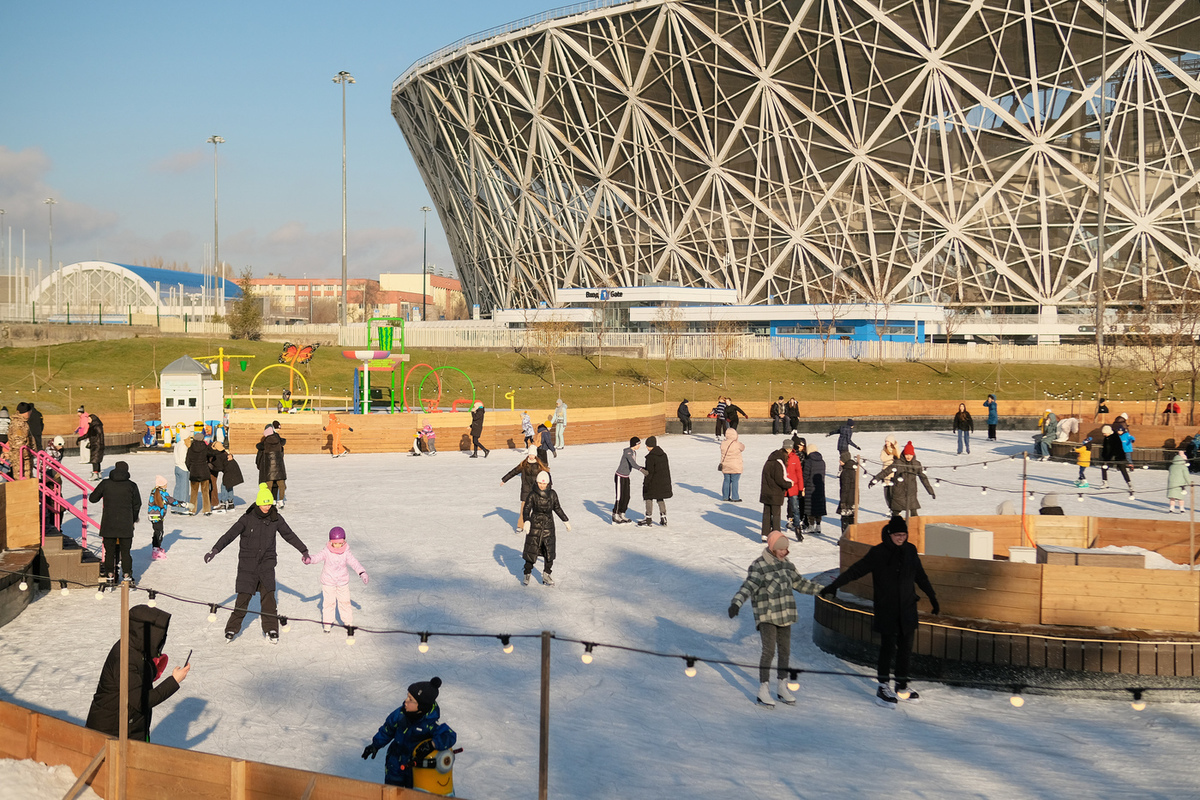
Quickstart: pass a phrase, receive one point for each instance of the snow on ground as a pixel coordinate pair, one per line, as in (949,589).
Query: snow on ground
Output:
(30,780)
(436,535)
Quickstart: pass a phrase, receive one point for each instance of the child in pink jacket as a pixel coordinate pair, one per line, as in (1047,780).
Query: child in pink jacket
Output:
(335,578)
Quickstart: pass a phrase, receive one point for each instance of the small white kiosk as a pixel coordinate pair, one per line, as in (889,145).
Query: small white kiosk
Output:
(190,393)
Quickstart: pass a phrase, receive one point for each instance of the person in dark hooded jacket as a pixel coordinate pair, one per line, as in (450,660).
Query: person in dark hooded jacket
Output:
(95,444)
(903,474)
(199,466)
(813,469)
(257,529)
(529,468)
(656,485)
(540,507)
(894,567)
(122,503)
(684,415)
(37,426)
(413,725)
(845,436)
(231,475)
(147,637)
(847,486)
(773,487)
(477,431)
(271,469)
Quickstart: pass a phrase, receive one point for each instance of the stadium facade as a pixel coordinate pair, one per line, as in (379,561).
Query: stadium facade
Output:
(819,152)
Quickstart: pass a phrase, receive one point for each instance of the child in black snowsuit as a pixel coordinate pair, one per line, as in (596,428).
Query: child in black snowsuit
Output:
(540,507)
(848,481)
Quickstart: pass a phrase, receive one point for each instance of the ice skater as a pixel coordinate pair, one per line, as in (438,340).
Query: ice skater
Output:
(156,509)
(528,469)
(334,428)
(337,561)
(477,431)
(656,483)
(539,510)
(408,727)
(625,467)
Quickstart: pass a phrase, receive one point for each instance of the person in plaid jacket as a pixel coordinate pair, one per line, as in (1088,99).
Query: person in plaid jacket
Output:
(769,584)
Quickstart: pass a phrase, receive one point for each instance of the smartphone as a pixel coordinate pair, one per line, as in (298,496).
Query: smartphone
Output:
(189,658)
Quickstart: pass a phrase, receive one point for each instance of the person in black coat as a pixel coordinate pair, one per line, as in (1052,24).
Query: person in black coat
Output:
(778,415)
(894,567)
(813,469)
(269,460)
(656,485)
(773,488)
(257,529)
(685,416)
(529,468)
(847,484)
(1112,454)
(122,503)
(199,467)
(733,414)
(477,431)
(540,507)
(231,476)
(95,443)
(147,637)
(37,426)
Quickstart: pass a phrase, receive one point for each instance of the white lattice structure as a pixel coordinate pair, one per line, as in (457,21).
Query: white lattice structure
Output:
(807,152)
(103,287)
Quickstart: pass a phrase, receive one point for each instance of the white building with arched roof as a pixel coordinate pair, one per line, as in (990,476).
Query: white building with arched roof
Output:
(95,289)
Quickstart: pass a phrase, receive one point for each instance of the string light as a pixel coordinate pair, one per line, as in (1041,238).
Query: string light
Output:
(793,683)
(985,465)
(1016,699)
(64,591)
(424,645)
(1138,703)
(212,612)
(283,624)
(1081,498)
(100,592)
(506,643)
(350,635)
(22,585)
(983,490)
(690,670)
(587,653)
(152,602)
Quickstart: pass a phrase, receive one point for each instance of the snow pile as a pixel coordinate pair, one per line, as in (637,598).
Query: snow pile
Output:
(30,780)
(436,536)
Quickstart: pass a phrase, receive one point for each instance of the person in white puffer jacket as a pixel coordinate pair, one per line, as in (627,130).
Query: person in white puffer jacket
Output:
(335,578)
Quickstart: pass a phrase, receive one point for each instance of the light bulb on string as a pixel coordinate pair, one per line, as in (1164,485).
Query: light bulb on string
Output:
(983,490)
(152,602)
(1081,498)
(793,683)
(1017,700)
(587,652)
(100,592)
(937,481)
(64,591)
(350,635)
(1138,703)
(23,586)
(283,625)
(690,669)
(212,612)
(506,643)
(424,645)
(985,465)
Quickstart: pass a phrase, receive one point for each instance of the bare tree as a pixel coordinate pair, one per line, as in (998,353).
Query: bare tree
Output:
(670,326)
(599,328)
(882,304)
(549,337)
(1187,319)
(827,323)
(1155,346)
(955,316)
(728,333)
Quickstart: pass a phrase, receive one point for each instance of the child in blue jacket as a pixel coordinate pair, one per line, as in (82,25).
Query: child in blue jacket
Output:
(407,727)
(156,508)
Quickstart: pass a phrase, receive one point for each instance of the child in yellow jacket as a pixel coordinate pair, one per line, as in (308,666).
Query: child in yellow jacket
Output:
(1083,455)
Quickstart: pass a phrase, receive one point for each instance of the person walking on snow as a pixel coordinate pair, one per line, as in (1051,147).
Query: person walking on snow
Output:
(179,450)
(477,431)
(845,435)
(528,469)
(560,424)
(408,727)
(1112,454)
(777,416)
(257,529)
(199,473)
(337,561)
(963,425)
(894,567)
(731,467)
(903,475)
(993,416)
(627,464)
(122,504)
(156,509)
(773,488)
(231,477)
(769,584)
(847,483)
(540,507)
(656,483)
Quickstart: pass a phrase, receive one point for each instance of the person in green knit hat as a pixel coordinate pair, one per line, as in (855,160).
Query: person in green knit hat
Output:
(256,561)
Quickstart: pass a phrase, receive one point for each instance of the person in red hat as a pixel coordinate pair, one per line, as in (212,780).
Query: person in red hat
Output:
(903,475)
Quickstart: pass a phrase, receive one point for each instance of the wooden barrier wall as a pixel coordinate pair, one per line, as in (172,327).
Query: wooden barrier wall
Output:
(20,503)
(155,771)
(1050,594)
(393,433)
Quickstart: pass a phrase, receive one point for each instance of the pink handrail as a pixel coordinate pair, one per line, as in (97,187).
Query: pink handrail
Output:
(52,493)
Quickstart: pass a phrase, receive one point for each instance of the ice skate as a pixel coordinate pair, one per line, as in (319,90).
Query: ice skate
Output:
(272,637)
(624,520)
(784,695)
(525,580)
(765,698)
(885,697)
(645,523)
(547,580)
(663,520)
(230,636)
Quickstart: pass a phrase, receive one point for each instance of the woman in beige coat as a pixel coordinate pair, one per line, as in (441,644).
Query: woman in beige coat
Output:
(731,466)
(890,453)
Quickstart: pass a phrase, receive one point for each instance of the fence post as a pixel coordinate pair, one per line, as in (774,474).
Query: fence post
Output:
(544,730)
(33,312)
(99,313)
(68,321)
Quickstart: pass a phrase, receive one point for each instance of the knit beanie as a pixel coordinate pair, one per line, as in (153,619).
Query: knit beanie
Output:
(543,476)
(337,533)
(264,496)
(531,451)
(894,525)
(159,480)
(773,538)
(425,693)
(634,441)
(788,444)
(651,441)
(909,450)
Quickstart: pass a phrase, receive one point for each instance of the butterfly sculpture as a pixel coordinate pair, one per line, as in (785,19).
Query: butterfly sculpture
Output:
(297,355)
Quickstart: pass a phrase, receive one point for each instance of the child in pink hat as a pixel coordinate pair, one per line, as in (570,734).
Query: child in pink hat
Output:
(335,578)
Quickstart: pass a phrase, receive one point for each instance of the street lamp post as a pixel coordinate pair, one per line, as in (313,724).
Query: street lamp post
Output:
(50,203)
(1101,208)
(424,257)
(343,78)
(215,140)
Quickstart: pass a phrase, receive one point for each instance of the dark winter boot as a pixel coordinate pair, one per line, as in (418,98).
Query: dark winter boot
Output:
(645,523)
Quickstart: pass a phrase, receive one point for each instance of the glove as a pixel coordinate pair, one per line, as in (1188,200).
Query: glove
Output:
(209,556)
(369,751)
(937,608)
(828,591)
(870,484)
(527,526)
(568,526)
(305,558)
(733,610)
(363,575)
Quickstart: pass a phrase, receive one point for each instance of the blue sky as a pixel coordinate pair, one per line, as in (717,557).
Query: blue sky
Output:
(106,108)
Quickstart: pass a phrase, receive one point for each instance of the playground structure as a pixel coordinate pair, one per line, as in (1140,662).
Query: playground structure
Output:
(389,357)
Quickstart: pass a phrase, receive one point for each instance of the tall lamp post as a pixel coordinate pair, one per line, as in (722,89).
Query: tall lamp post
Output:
(343,78)
(50,203)
(215,140)
(1101,207)
(424,257)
